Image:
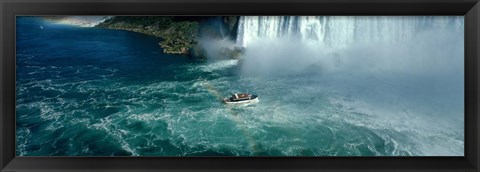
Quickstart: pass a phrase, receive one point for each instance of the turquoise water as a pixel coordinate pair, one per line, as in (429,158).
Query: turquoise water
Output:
(96,92)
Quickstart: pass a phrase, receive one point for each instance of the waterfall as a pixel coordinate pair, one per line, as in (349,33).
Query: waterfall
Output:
(220,27)
(375,44)
(340,31)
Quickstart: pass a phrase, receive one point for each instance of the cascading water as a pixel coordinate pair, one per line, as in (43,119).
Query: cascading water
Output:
(391,42)
(220,27)
(339,31)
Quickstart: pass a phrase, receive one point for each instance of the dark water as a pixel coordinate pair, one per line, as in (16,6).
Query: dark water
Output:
(96,92)
(68,75)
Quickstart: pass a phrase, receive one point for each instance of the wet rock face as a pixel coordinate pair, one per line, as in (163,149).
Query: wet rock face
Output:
(180,38)
(231,22)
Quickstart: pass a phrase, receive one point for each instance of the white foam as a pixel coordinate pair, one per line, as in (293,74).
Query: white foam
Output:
(219,65)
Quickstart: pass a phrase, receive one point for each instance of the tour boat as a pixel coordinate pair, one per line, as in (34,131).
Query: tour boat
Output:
(241,99)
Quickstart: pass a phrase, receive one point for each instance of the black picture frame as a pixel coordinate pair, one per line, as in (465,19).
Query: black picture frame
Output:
(11,8)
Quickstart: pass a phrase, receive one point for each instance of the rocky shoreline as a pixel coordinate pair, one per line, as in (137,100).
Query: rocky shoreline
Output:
(181,34)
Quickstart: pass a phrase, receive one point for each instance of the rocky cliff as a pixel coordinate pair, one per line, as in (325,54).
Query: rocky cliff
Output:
(180,34)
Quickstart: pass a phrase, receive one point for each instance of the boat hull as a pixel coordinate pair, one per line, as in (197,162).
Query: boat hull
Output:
(255,100)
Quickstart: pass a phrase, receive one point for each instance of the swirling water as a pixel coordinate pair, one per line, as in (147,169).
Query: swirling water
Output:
(97,92)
